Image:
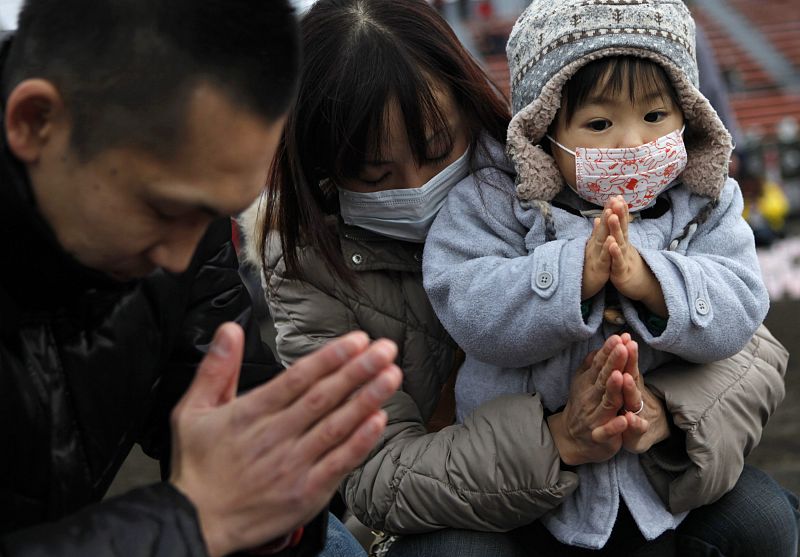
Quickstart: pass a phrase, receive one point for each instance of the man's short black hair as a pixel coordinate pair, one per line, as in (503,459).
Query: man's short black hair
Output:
(125,68)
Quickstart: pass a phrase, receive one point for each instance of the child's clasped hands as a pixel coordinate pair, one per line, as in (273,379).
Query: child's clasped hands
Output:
(611,257)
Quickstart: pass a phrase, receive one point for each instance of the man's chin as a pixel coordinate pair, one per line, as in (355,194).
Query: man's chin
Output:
(130,275)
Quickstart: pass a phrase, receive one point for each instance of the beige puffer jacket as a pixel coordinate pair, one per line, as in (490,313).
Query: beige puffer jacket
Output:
(390,303)
(500,469)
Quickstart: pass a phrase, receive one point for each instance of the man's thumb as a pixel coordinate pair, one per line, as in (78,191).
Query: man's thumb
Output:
(218,374)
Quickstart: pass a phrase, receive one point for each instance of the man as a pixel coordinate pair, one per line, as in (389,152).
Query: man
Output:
(130,129)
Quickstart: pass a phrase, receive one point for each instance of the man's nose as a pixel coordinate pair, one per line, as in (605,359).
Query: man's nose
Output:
(175,252)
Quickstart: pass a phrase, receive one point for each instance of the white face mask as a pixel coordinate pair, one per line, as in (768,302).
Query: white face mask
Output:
(405,214)
(638,174)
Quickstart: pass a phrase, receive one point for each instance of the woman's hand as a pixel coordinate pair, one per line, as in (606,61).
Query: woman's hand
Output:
(650,426)
(590,429)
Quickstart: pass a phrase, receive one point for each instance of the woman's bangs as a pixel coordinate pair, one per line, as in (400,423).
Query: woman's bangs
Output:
(428,130)
(361,137)
(357,108)
(366,130)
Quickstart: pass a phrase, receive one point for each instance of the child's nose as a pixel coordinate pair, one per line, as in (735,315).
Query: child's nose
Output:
(631,138)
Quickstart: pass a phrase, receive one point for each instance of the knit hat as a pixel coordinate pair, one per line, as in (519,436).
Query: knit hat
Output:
(553,39)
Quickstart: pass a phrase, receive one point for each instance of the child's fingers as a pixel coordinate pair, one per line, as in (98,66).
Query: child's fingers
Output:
(597,238)
(615,229)
(606,257)
(602,224)
(615,254)
(623,215)
(602,228)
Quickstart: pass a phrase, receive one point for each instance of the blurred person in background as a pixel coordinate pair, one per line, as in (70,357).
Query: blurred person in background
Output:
(765,203)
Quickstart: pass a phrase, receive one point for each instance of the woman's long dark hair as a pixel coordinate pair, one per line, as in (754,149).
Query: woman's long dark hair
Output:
(358,56)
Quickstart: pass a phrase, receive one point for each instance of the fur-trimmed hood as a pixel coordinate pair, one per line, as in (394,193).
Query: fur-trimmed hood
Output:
(576,32)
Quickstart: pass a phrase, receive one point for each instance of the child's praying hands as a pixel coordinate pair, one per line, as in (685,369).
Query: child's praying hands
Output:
(610,256)
(629,273)
(596,259)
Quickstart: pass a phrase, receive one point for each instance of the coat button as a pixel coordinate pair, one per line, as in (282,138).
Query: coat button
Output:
(417,256)
(357,259)
(544,279)
(701,306)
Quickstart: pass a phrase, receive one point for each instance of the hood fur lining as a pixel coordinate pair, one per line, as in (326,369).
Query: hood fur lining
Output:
(538,176)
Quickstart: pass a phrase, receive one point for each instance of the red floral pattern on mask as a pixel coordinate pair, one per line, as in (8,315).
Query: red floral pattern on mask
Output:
(638,174)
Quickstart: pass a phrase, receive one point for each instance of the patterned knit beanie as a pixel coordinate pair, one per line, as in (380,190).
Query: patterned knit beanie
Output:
(553,39)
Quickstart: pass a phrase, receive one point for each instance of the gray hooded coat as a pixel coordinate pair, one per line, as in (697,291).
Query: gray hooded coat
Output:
(495,281)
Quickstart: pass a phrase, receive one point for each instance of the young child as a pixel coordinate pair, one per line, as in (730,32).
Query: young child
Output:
(622,219)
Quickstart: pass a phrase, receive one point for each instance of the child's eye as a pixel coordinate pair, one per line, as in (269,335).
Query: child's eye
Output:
(599,125)
(655,116)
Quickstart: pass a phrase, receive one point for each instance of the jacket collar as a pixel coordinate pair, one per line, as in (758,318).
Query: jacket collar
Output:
(366,251)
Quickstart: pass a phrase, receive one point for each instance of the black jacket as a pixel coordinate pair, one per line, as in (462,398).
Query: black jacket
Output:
(88,367)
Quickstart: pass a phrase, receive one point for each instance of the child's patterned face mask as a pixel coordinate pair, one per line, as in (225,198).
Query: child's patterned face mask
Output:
(638,174)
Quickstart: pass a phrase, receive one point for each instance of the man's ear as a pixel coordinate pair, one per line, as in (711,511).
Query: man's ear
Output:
(32,109)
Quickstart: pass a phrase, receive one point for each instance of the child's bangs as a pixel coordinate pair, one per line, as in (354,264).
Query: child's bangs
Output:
(638,77)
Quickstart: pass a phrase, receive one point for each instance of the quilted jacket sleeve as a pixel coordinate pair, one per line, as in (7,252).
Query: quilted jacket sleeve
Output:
(497,471)
(721,409)
(151,521)
(306,313)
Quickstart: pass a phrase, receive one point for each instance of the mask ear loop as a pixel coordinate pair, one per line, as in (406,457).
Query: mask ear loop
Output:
(550,137)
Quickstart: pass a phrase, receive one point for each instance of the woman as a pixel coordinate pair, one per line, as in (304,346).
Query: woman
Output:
(390,114)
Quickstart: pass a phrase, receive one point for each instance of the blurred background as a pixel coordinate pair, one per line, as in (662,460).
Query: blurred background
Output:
(749,57)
